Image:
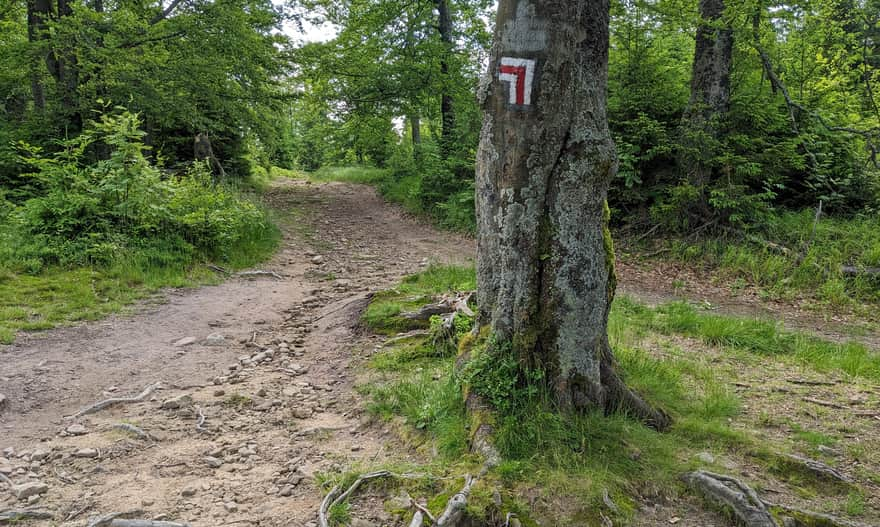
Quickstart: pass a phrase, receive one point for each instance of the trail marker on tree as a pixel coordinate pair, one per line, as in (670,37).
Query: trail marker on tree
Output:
(545,261)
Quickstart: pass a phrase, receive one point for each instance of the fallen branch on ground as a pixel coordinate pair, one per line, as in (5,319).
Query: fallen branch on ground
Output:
(17,515)
(732,494)
(6,480)
(258,272)
(97,407)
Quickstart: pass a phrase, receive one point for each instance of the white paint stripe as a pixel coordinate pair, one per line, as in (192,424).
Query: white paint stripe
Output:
(529,66)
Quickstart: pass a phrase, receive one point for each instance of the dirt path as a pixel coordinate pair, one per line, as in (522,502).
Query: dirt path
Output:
(271,425)
(271,369)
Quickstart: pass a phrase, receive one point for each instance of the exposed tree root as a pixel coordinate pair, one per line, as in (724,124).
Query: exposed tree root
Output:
(818,468)
(620,396)
(455,507)
(200,421)
(851,270)
(17,515)
(97,407)
(258,273)
(144,523)
(751,510)
(795,517)
(337,496)
(451,517)
(456,303)
(405,336)
(730,493)
(114,519)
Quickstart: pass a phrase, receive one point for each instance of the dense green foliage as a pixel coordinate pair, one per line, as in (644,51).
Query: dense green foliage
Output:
(802,127)
(122,218)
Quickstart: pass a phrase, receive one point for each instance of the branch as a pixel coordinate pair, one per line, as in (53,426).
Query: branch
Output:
(117,400)
(869,135)
(164,14)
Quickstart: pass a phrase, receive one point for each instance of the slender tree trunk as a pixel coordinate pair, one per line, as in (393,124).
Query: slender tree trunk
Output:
(38,12)
(67,76)
(710,92)
(545,260)
(415,124)
(447,112)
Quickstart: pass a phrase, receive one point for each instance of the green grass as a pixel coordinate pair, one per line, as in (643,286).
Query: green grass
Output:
(749,335)
(382,315)
(572,460)
(811,268)
(37,297)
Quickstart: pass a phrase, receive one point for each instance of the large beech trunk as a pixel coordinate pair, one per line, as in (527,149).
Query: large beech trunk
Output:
(545,259)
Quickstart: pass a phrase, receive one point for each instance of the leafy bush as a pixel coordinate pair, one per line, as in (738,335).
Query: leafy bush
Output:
(90,212)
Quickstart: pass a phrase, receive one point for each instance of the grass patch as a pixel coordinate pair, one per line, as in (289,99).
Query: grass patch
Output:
(383,313)
(750,335)
(572,461)
(835,242)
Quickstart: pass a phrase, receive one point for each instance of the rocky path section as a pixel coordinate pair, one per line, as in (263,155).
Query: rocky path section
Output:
(254,398)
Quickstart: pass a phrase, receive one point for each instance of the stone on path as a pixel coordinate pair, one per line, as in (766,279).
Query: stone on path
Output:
(31,488)
(214,339)
(185,341)
(76,430)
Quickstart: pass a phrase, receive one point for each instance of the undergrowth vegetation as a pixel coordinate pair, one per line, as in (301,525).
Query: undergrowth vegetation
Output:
(95,235)
(578,464)
(806,257)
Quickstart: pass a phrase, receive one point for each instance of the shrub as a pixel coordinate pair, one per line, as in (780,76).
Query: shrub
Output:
(91,212)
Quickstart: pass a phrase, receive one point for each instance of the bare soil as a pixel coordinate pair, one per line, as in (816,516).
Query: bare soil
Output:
(273,421)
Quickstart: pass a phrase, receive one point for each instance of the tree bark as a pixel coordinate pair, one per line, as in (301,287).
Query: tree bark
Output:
(67,76)
(447,111)
(38,12)
(710,90)
(415,124)
(545,260)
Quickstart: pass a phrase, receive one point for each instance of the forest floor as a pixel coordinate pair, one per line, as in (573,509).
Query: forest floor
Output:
(271,363)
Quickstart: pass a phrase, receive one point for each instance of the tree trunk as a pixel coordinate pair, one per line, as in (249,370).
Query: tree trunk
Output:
(38,12)
(710,91)
(67,76)
(545,260)
(447,112)
(415,124)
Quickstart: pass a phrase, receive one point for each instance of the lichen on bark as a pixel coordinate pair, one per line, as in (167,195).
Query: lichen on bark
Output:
(545,265)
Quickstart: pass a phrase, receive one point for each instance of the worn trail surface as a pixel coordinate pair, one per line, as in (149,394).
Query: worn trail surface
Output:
(269,369)
(270,425)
